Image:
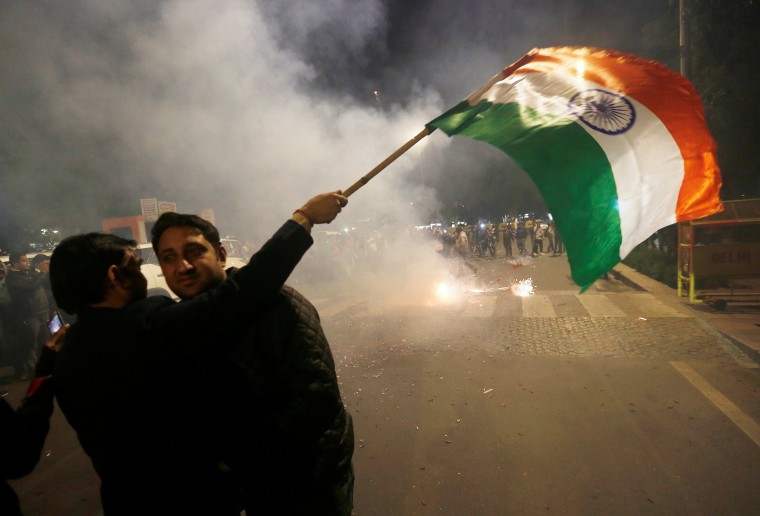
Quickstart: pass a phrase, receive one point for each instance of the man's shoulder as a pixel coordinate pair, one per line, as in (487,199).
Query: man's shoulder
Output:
(13,276)
(147,306)
(294,296)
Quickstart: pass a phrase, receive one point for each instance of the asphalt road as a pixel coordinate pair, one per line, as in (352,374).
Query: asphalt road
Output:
(484,402)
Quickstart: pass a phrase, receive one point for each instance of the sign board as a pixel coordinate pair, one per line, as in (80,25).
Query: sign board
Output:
(149,209)
(164,207)
(727,259)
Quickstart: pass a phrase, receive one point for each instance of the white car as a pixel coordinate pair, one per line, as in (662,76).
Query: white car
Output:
(157,285)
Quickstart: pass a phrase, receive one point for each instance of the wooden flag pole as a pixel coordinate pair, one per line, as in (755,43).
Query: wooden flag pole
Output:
(387,161)
(471,99)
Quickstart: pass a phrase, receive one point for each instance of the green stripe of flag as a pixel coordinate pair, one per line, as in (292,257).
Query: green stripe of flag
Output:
(565,162)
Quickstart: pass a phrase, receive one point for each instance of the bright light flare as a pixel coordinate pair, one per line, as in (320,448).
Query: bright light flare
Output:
(445,292)
(523,288)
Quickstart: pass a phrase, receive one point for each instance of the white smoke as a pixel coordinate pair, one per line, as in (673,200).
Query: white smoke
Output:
(251,107)
(205,104)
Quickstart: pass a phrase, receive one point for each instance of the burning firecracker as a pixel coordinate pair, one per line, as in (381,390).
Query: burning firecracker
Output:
(522,288)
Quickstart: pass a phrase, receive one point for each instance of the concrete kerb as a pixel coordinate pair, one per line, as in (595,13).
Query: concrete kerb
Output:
(639,281)
(739,331)
(752,352)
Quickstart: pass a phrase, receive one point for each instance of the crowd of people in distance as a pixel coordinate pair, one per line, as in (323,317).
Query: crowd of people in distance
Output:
(524,236)
(26,305)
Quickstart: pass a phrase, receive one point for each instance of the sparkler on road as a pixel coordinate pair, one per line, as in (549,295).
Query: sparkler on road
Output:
(523,288)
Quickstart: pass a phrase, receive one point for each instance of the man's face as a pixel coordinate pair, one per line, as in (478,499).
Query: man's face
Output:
(43,266)
(22,264)
(191,265)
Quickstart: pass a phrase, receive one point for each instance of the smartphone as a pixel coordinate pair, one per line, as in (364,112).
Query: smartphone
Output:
(55,324)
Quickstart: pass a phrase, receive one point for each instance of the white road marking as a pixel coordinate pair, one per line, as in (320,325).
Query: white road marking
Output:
(480,306)
(648,305)
(600,306)
(538,306)
(734,413)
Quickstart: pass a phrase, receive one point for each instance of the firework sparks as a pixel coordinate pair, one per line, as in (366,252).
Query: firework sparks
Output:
(523,288)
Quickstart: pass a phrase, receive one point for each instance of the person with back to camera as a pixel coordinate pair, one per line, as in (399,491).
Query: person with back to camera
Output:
(520,235)
(115,377)
(462,248)
(291,439)
(507,237)
(23,431)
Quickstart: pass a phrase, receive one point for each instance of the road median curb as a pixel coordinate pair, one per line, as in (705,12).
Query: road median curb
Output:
(738,330)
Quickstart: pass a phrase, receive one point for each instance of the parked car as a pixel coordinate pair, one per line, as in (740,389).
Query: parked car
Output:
(157,285)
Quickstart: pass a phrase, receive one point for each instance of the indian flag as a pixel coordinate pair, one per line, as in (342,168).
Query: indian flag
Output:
(617,145)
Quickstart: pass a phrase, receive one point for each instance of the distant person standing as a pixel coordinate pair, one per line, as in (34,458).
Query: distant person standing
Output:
(41,263)
(538,239)
(29,308)
(7,327)
(521,234)
(462,247)
(530,232)
(558,248)
(550,238)
(507,240)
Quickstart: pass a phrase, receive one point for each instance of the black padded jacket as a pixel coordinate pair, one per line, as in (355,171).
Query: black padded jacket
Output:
(301,461)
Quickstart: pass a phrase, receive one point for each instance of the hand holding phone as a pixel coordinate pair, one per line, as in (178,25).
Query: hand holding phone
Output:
(55,324)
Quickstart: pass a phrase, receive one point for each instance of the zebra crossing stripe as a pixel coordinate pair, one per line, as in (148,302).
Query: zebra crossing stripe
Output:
(538,305)
(480,306)
(600,306)
(645,305)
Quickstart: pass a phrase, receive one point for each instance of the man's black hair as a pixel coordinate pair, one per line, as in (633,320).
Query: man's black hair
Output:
(15,255)
(184,220)
(79,266)
(39,258)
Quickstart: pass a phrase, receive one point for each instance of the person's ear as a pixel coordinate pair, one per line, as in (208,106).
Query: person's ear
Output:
(222,254)
(114,276)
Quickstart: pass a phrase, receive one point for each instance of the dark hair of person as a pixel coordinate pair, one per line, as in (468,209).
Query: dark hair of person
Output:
(79,266)
(14,256)
(184,220)
(38,258)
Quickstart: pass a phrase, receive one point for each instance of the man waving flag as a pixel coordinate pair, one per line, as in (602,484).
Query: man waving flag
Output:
(617,145)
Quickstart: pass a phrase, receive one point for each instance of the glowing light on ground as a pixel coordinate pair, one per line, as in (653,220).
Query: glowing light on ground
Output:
(445,292)
(523,288)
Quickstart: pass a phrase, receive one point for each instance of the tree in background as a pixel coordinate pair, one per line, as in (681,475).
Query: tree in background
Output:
(722,63)
(722,57)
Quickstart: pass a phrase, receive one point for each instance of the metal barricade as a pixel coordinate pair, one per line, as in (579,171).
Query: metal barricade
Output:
(719,255)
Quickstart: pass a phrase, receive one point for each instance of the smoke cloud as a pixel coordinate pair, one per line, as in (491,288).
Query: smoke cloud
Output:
(194,102)
(251,107)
